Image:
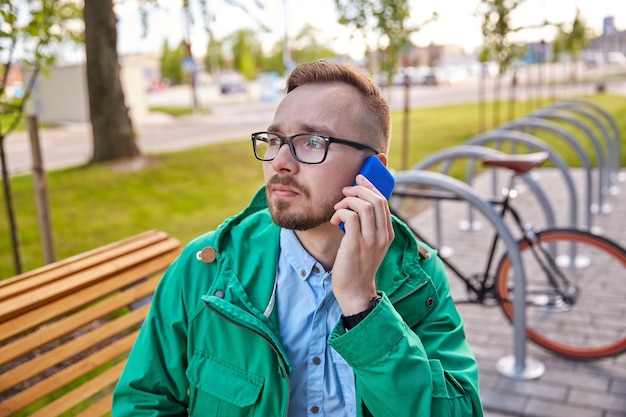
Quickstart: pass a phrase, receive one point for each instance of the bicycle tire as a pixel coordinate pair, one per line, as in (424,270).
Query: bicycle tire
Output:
(593,326)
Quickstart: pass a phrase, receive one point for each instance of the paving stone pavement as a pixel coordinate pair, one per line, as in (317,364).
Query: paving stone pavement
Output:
(568,388)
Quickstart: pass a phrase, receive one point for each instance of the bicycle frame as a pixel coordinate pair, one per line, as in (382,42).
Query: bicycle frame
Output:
(481,284)
(476,285)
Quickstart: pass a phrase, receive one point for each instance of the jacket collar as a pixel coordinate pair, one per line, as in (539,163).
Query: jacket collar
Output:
(396,275)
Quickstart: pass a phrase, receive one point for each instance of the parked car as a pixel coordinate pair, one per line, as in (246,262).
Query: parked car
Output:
(231,82)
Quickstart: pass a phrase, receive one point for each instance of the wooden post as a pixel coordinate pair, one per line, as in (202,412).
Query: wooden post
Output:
(6,181)
(41,191)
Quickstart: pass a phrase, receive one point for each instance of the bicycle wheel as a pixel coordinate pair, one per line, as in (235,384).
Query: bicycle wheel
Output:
(586,318)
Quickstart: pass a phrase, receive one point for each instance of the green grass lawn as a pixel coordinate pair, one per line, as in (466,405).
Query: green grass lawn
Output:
(190,192)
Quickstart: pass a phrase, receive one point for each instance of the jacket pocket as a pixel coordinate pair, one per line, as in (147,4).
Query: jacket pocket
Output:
(444,386)
(217,388)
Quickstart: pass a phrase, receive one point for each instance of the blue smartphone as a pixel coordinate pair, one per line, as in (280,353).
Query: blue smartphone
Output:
(378,174)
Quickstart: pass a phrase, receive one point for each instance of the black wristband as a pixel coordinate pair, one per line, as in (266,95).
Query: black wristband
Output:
(350,321)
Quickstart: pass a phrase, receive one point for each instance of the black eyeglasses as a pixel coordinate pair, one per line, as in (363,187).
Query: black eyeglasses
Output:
(308,148)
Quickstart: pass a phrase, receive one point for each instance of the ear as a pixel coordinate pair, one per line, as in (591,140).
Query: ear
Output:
(383,158)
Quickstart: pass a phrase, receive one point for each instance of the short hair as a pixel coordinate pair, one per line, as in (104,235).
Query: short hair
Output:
(321,72)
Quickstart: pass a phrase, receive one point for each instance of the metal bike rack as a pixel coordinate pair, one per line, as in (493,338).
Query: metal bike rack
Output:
(612,139)
(518,366)
(603,169)
(616,137)
(533,143)
(448,155)
(537,123)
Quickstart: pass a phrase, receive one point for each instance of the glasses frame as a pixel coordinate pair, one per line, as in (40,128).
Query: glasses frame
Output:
(289,141)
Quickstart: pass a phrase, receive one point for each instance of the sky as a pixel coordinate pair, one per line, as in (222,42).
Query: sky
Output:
(457,22)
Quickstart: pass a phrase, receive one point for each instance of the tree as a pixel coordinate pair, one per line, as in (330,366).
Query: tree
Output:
(171,60)
(274,60)
(190,9)
(34,30)
(391,21)
(113,135)
(307,47)
(249,58)
(497,47)
(214,57)
(246,51)
(573,41)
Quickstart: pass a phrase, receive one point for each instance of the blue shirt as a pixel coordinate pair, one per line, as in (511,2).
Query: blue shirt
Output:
(322,383)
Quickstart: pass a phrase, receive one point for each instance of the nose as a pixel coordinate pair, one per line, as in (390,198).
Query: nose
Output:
(284,160)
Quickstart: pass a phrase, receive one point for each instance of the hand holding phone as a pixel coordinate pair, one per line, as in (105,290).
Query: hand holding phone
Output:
(378,174)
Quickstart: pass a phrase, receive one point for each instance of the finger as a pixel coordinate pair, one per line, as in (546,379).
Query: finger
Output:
(372,219)
(350,219)
(383,213)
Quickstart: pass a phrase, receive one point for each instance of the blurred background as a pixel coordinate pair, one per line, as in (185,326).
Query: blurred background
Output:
(241,50)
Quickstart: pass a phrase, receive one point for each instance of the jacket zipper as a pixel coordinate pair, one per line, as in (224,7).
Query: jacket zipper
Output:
(281,360)
(413,291)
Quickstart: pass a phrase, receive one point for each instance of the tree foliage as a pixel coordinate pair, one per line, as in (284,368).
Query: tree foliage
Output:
(31,32)
(246,51)
(31,35)
(201,8)
(307,48)
(574,40)
(214,58)
(171,63)
(496,29)
(498,47)
(390,20)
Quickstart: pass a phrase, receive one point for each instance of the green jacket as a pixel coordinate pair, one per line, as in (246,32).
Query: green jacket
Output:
(207,349)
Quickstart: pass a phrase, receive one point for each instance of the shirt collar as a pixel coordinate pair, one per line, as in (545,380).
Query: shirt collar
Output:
(298,258)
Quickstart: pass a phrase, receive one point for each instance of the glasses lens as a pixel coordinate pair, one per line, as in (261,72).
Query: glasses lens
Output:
(266,145)
(310,148)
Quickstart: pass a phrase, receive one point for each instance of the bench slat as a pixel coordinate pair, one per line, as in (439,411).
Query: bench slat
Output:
(86,309)
(67,375)
(70,323)
(72,348)
(84,392)
(99,408)
(55,309)
(46,294)
(32,279)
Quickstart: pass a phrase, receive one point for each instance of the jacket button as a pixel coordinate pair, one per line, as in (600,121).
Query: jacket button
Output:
(423,253)
(219,294)
(207,255)
(430,301)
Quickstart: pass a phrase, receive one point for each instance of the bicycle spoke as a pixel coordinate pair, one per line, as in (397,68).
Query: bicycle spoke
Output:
(574,308)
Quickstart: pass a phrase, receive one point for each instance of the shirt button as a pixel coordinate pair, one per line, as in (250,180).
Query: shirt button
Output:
(302,273)
(316,270)
(317,360)
(315,409)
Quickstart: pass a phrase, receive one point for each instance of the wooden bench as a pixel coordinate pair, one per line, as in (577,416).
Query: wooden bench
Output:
(66,328)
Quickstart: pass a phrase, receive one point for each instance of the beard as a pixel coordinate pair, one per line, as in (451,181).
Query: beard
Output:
(307,216)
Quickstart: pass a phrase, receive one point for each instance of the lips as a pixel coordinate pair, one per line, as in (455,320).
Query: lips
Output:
(283,191)
(285,187)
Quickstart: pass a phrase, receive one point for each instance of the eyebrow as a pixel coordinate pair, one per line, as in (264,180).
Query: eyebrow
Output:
(303,128)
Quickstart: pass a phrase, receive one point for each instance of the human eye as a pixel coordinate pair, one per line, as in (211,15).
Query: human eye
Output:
(315,143)
(273,140)
(269,138)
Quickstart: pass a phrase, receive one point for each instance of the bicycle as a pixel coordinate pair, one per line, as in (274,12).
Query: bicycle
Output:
(575,294)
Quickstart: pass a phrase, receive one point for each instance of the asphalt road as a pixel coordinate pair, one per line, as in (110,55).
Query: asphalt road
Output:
(230,118)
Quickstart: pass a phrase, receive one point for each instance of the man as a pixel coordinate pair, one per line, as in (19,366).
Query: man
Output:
(279,312)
